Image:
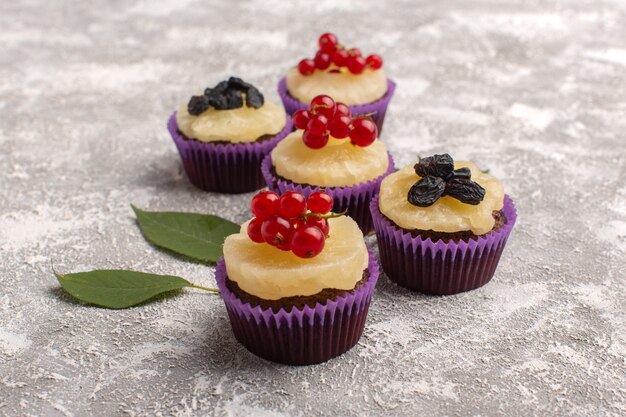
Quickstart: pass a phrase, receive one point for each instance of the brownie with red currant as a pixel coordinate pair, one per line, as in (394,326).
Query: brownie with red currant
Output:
(297,268)
(343,73)
(296,301)
(331,150)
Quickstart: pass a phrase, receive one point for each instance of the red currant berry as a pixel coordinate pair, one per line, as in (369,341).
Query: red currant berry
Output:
(363,131)
(317,125)
(339,126)
(328,42)
(308,241)
(314,141)
(286,247)
(323,104)
(374,61)
(306,67)
(254,230)
(277,231)
(341,108)
(297,223)
(354,52)
(301,118)
(318,222)
(292,205)
(320,202)
(356,64)
(264,204)
(340,58)
(322,60)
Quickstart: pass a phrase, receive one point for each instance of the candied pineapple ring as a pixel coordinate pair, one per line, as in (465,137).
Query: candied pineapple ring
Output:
(244,124)
(342,86)
(269,273)
(337,164)
(447,214)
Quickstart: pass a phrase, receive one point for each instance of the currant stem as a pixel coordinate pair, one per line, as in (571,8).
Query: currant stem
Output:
(200,287)
(325,216)
(364,115)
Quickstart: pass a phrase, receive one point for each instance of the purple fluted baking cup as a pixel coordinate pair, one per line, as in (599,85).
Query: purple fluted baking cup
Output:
(224,167)
(376,109)
(354,199)
(303,336)
(438,267)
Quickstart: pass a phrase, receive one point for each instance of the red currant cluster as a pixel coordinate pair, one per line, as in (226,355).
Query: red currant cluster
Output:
(326,118)
(291,222)
(333,55)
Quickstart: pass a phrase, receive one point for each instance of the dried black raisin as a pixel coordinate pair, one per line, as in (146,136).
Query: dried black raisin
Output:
(466,191)
(220,88)
(226,100)
(226,95)
(426,191)
(218,101)
(233,100)
(197,105)
(254,98)
(464,173)
(437,165)
(239,84)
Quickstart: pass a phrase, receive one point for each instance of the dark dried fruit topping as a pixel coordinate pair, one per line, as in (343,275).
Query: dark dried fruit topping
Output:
(226,95)
(198,104)
(221,87)
(236,82)
(439,178)
(465,190)
(254,98)
(464,172)
(226,101)
(426,191)
(437,165)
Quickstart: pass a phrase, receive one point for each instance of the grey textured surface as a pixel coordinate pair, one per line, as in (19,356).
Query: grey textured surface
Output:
(535,91)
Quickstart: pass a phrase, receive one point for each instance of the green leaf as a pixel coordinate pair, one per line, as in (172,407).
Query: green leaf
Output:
(197,236)
(115,288)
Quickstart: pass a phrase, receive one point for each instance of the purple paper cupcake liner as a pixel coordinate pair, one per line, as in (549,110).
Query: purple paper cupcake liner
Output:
(439,267)
(355,199)
(303,336)
(224,167)
(376,109)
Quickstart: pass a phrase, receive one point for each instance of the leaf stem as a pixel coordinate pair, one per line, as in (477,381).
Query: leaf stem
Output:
(52,266)
(200,287)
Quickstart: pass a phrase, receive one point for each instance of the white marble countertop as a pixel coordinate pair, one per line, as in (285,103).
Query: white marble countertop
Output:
(535,91)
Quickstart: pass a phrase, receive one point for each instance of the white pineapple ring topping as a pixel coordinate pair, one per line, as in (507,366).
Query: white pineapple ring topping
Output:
(245,124)
(270,273)
(343,87)
(339,163)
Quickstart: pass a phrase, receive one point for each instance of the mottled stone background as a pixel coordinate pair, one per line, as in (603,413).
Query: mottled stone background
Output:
(533,90)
